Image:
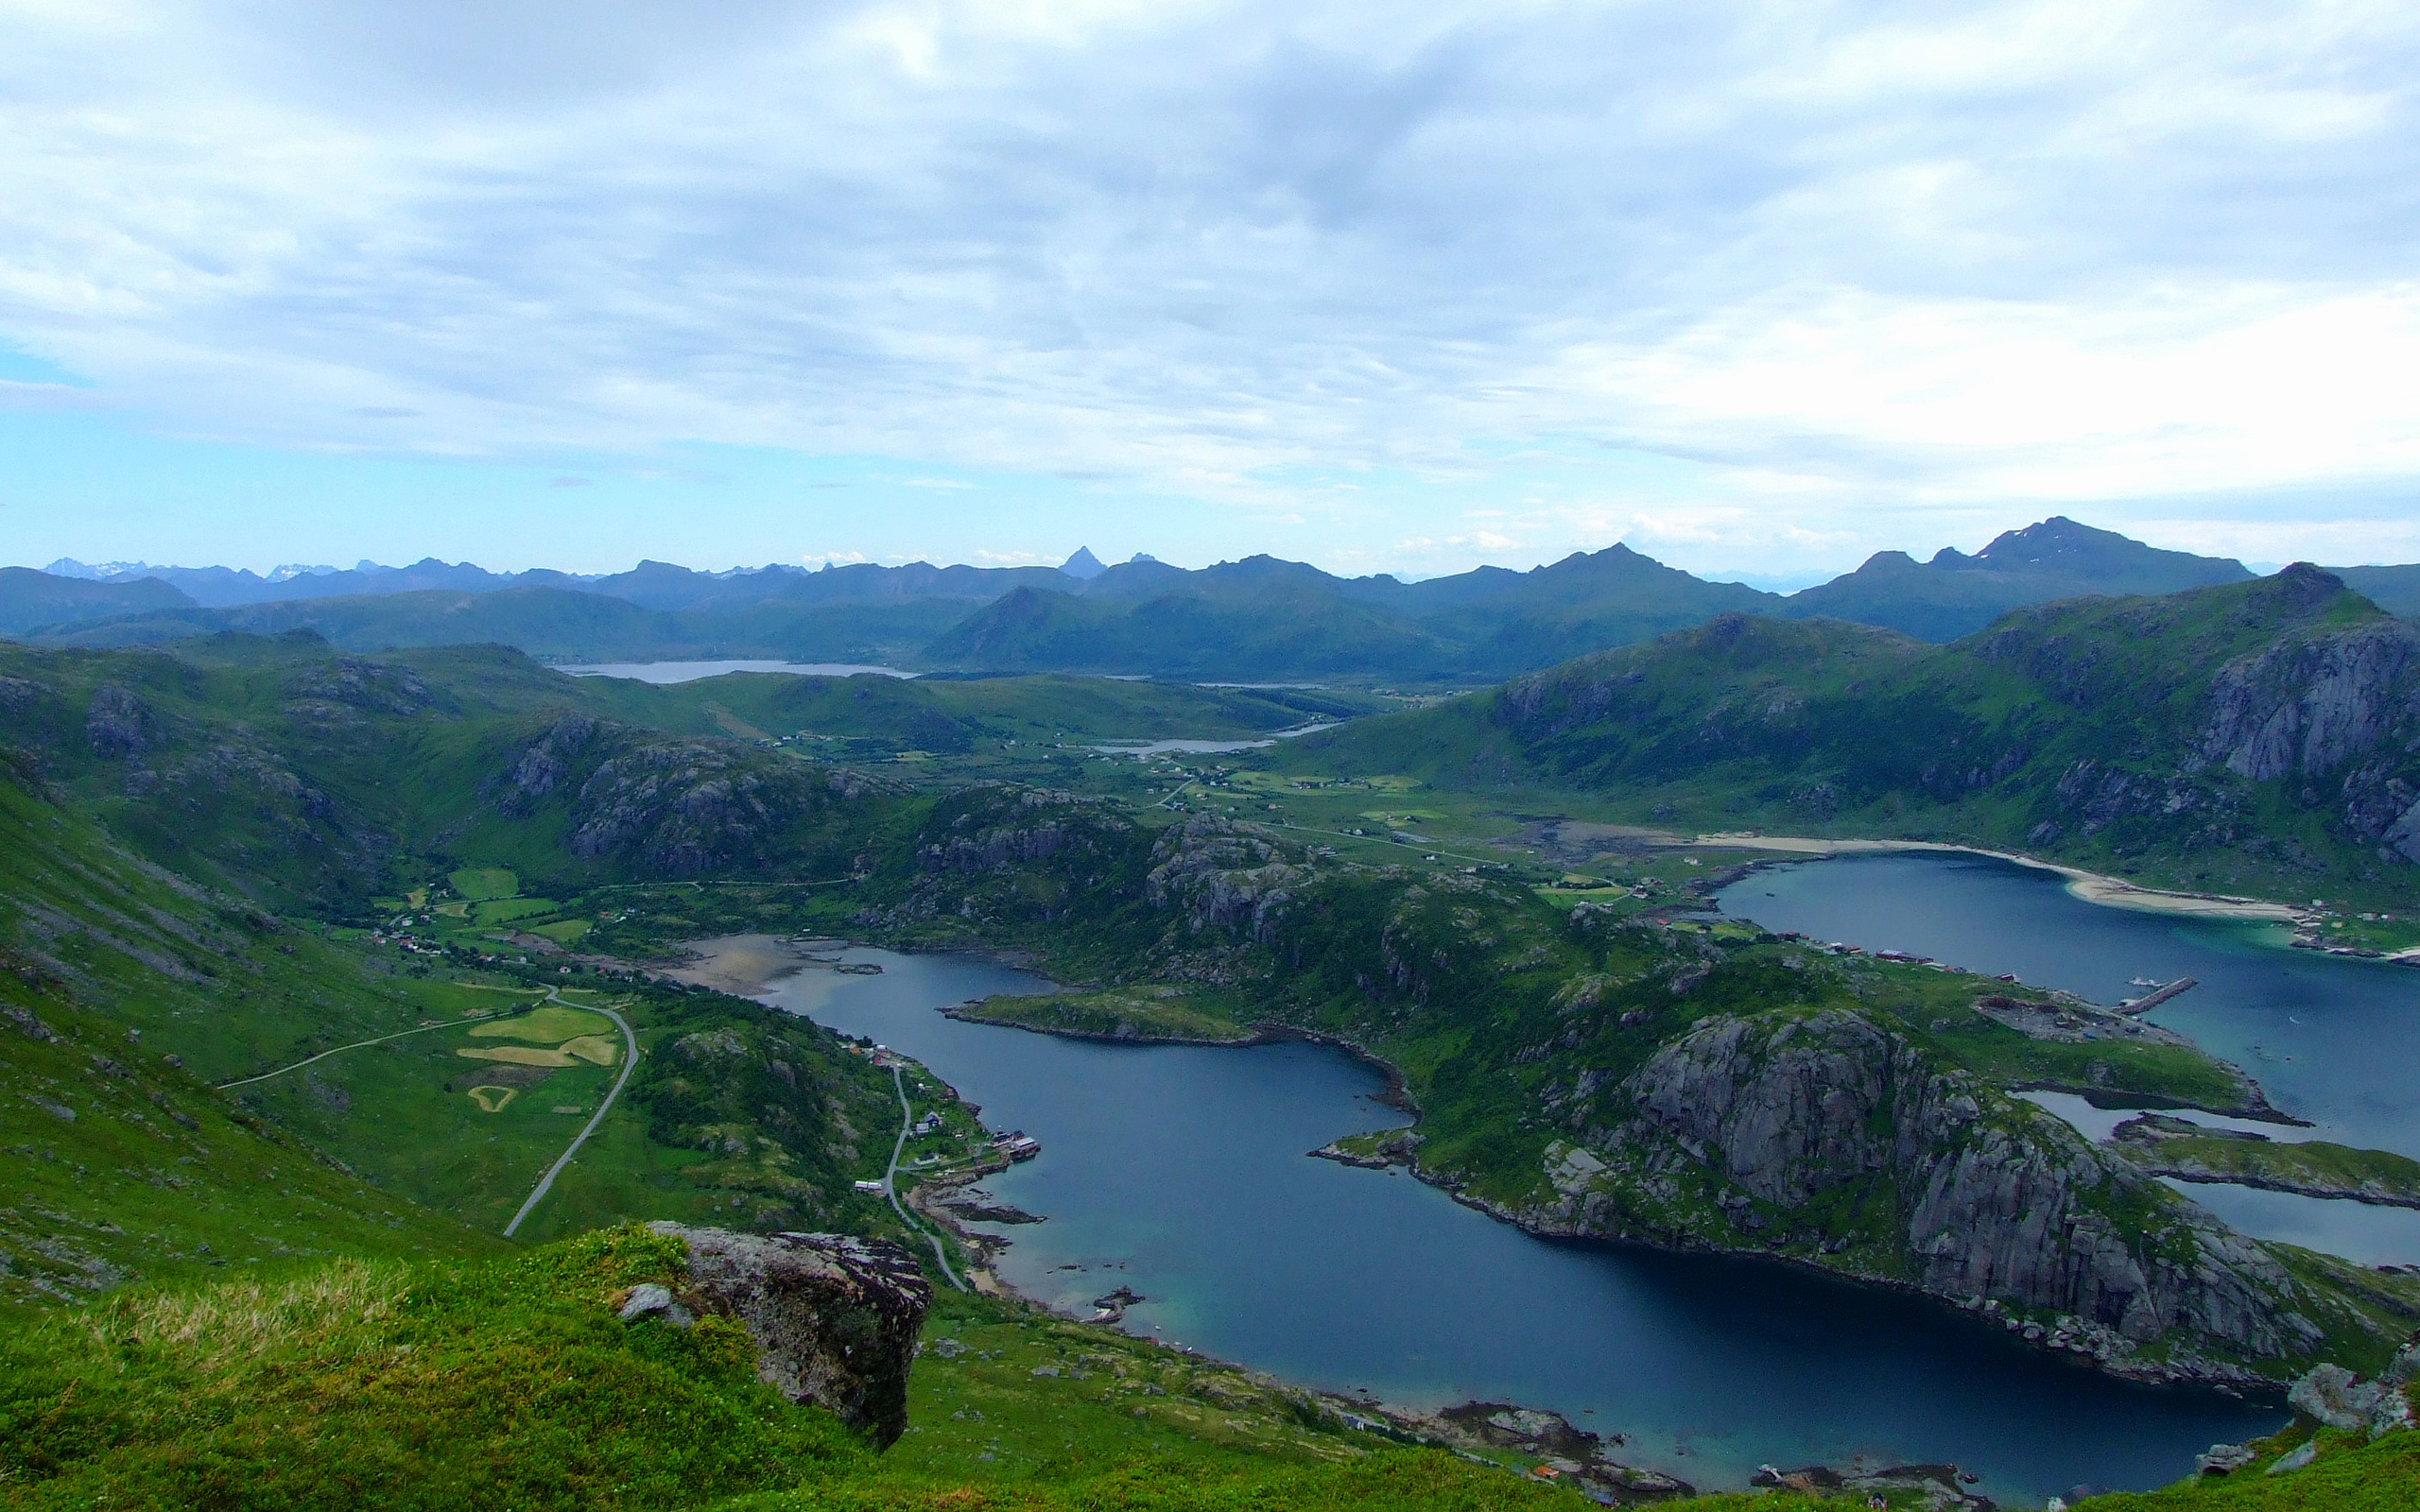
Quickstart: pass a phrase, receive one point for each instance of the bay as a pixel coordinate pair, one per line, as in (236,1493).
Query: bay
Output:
(1182,1172)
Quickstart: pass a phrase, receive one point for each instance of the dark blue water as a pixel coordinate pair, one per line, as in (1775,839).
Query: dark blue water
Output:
(1182,1173)
(2330,1038)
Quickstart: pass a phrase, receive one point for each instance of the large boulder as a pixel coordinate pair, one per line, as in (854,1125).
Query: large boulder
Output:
(835,1317)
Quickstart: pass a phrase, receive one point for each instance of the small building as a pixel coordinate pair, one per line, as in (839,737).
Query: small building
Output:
(870,1188)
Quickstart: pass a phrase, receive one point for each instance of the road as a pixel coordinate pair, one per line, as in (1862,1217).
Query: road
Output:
(891,1178)
(629,1063)
(231,1085)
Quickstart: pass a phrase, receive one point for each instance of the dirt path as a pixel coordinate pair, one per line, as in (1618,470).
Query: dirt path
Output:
(231,1085)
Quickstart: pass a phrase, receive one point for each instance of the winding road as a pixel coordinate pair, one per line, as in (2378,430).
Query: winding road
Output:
(891,1178)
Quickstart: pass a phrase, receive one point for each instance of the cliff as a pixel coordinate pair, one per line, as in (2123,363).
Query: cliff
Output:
(1829,1136)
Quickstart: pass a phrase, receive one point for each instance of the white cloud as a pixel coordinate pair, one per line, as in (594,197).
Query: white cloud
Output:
(1845,258)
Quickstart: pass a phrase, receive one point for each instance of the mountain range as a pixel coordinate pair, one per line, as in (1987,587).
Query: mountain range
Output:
(1258,618)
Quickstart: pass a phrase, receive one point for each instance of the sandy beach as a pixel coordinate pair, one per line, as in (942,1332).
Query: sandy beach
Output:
(2092,886)
(743,965)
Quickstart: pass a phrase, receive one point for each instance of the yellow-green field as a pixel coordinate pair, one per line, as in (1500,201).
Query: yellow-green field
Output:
(548,1025)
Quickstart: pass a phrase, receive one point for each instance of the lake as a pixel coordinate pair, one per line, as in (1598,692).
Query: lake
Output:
(1182,1173)
(692,671)
(2330,1038)
(1145,748)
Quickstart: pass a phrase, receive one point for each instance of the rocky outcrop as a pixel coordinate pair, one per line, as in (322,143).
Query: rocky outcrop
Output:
(1018,826)
(666,805)
(1223,875)
(373,687)
(835,1317)
(1827,1132)
(118,725)
(2323,702)
(2309,704)
(2335,1397)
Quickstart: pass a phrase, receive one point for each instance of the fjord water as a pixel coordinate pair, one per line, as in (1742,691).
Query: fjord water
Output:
(666,671)
(2330,1038)
(1181,1172)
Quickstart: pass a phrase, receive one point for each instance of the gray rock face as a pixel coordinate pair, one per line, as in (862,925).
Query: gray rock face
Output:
(2312,704)
(2334,1396)
(118,724)
(2338,700)
(1223,875)
(2330,1395)
(1993,1199)
(835,1317)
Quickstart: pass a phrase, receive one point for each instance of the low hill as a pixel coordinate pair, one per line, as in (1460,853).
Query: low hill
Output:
(2395,589)
(2241,738)
(1955,594)
(30,601)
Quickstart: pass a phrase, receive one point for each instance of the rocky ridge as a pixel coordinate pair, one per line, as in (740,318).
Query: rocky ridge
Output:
(1753,1134)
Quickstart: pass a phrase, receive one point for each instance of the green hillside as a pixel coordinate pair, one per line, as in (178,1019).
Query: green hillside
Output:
(293,1032)
(2254,738)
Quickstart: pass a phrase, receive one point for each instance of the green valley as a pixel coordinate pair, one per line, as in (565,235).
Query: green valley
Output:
(317,961)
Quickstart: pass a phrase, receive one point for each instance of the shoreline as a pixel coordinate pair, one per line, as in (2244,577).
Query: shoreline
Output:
(749,963)
(2087,886)
(2196,1374)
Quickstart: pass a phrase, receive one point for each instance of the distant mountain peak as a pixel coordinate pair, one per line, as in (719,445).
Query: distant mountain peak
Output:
(1083,564)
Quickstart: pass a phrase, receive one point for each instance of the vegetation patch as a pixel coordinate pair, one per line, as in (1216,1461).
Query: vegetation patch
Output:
(1143,1015)
(549,1025)
(481,885)
(518,1055)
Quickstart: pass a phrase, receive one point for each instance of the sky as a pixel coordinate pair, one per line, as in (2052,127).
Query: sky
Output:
(1757,290)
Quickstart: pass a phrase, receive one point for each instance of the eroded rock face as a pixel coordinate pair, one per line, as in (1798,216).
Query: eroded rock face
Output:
(1991,1199)
(835,1317)
(2312,704)
(1223,875)
(673,806)
(119,724)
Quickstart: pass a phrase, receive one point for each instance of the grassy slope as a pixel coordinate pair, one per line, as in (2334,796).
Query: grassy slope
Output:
(1826,728)
(2315,1166)
(159,991)
(2350,1474)
(127,993)
(509,1383)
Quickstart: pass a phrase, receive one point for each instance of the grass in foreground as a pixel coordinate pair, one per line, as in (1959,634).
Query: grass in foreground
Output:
(374,1385)
(509,1383)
